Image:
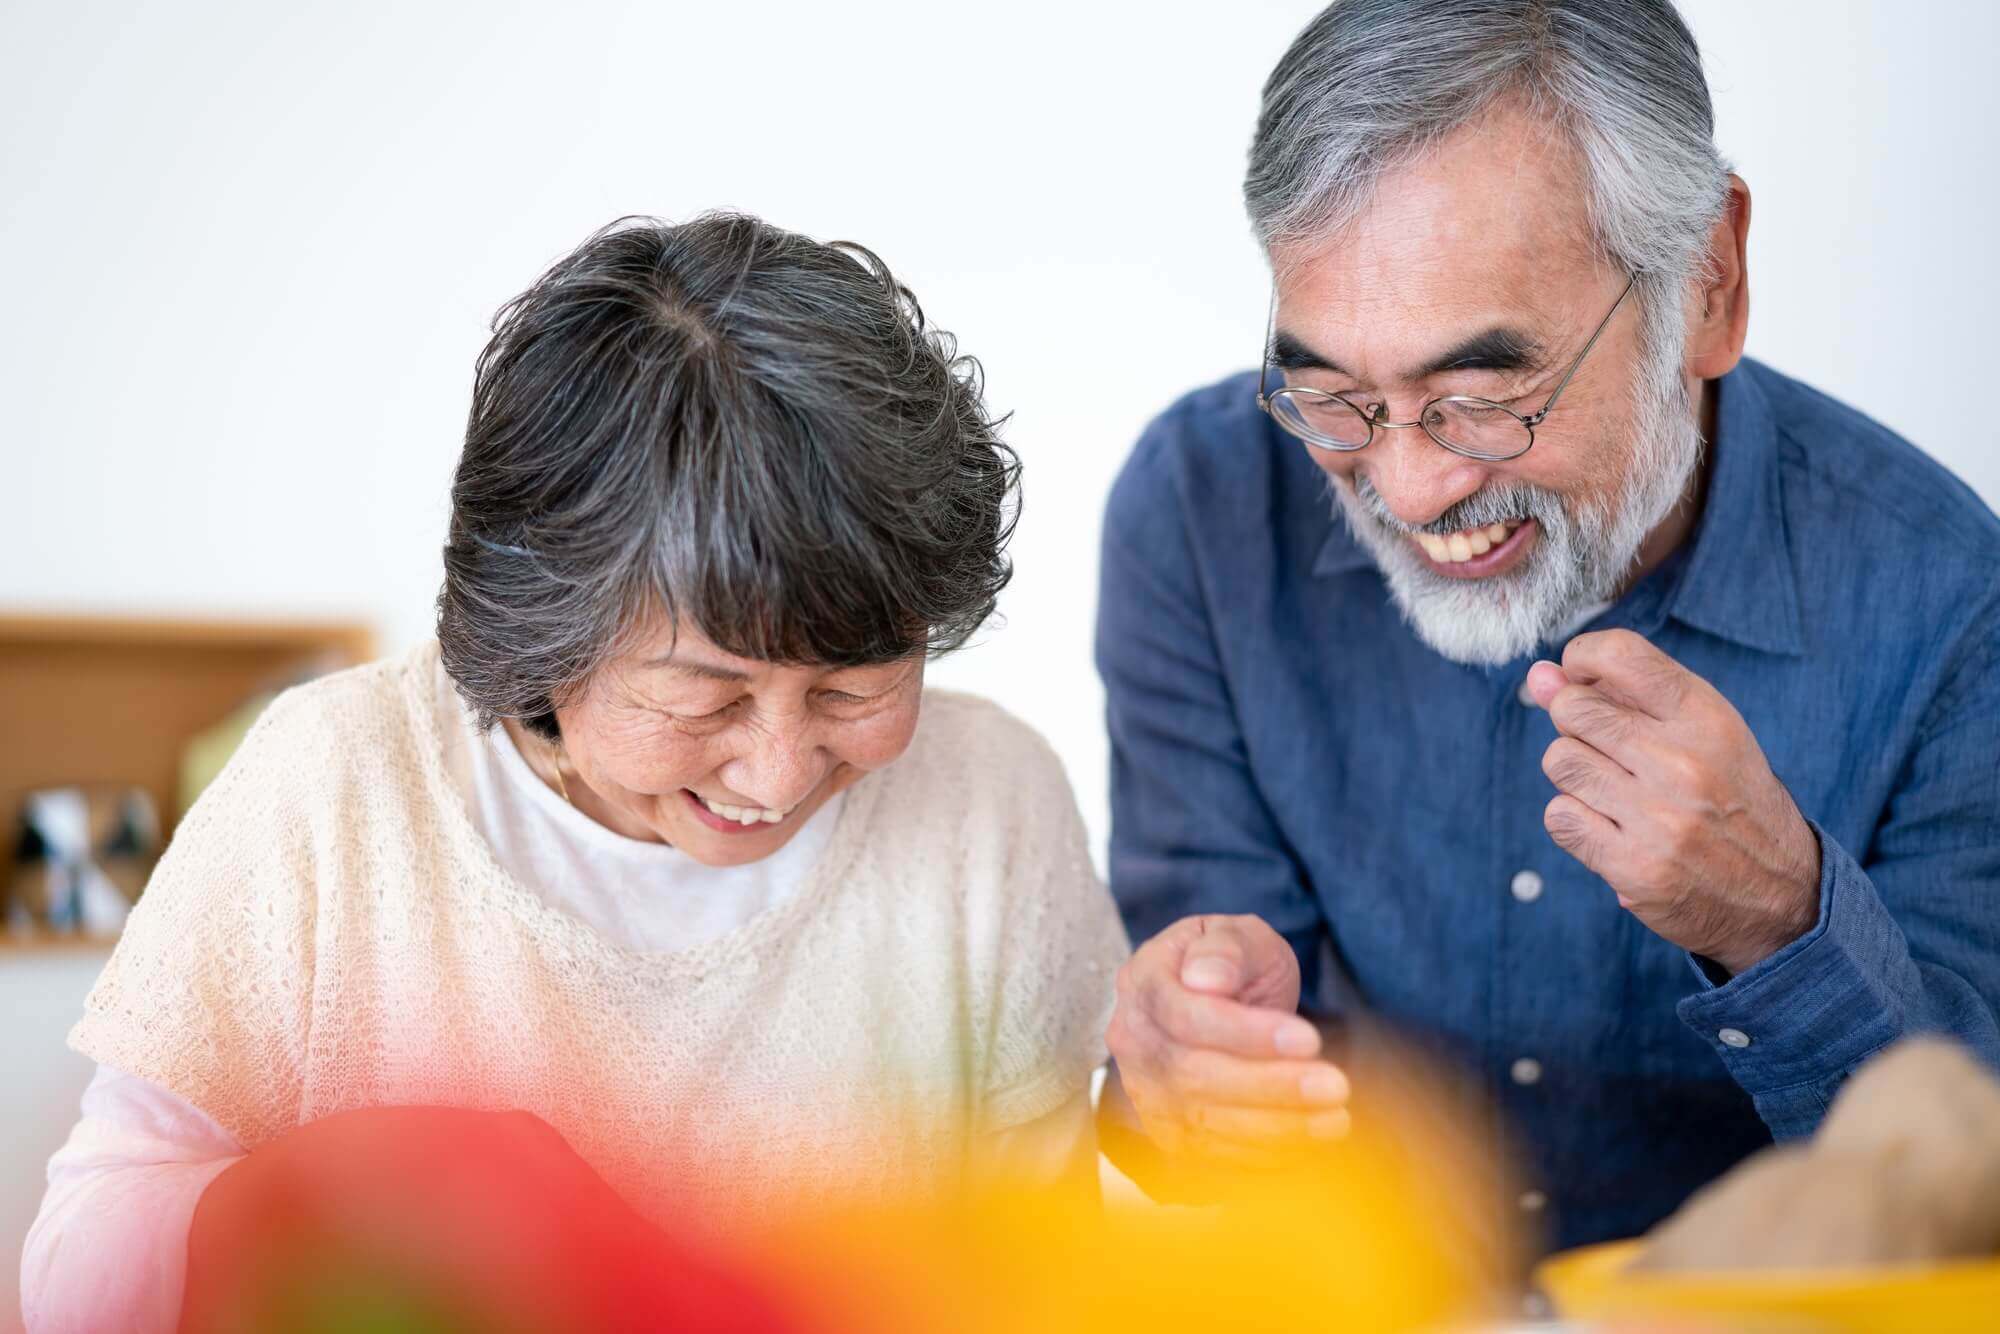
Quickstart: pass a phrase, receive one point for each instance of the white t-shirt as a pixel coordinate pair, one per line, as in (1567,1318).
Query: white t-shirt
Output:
(127,1181)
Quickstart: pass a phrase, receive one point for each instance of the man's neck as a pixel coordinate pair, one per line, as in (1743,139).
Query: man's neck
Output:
(1675,529)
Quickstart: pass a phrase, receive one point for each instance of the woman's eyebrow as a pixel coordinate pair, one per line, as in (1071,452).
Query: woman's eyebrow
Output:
(703,670)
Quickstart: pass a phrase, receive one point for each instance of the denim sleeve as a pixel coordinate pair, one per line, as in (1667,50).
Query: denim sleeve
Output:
(1190,832)
(1908,935)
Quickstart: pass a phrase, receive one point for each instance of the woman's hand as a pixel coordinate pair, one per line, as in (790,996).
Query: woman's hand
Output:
(455,1219)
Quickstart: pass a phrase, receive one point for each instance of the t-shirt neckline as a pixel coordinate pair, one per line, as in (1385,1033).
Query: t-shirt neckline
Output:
(421,686)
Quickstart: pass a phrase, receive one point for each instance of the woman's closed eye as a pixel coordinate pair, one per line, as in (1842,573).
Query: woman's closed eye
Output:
(856,700)
(699,717)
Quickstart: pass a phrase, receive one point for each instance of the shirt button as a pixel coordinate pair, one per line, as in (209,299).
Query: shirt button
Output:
(1527,886)
(1533,1201)
(1527,1071)
(1734,1037)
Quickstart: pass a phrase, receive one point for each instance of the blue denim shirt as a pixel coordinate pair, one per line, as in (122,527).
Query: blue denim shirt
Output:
(1282,744)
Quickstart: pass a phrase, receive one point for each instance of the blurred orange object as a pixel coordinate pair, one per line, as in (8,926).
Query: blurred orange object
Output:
(1595,1283)
(1394,1228)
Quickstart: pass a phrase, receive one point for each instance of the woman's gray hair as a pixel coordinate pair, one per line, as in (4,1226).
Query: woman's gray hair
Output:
(1369,85)
(734,427)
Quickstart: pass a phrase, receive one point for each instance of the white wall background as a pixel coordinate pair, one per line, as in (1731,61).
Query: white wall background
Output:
(247,253)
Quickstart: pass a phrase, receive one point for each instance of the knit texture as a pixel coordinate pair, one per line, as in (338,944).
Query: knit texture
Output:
(328,931)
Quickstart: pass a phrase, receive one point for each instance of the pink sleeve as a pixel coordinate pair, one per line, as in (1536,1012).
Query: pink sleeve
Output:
(109,1248)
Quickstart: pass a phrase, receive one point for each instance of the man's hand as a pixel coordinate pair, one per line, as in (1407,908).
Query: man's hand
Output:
(1666,794)
(1211,1049)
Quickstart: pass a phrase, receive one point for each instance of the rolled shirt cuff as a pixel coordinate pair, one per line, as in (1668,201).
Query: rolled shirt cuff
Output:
(1791,1027)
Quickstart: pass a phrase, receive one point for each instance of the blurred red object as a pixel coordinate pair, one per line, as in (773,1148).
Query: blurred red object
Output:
(448,1221)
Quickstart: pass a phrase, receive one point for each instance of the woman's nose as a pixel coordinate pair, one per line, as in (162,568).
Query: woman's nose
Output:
(781,765)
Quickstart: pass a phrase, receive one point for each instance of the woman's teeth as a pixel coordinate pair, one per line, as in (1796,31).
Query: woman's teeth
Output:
(742,814)
(1464,545)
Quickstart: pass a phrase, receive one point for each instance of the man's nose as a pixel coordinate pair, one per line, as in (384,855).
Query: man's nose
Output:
(781,765)
(1416,477)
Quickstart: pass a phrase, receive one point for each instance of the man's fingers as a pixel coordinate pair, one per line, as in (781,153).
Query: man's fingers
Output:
(1544,680)
(1594,718)
(1589,775)
(1628,668)
(1265,1126)
(1197,1020)
(1200,1075)
(1579,831)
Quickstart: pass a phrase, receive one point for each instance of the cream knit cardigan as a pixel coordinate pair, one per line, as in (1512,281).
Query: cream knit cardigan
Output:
(329,931)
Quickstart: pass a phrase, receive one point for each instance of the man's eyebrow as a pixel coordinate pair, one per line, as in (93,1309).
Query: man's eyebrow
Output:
(703,670)
(1288,353)
(1496,349)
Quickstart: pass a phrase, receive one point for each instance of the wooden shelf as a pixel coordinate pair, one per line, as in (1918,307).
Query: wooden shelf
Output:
(46,943)
(116,699)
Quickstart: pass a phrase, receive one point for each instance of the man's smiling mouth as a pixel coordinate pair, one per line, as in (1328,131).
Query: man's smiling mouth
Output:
(1462,546)
(1478,553)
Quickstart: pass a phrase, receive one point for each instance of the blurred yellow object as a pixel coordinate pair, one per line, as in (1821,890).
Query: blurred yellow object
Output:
(1395,1229)
(1593,1283)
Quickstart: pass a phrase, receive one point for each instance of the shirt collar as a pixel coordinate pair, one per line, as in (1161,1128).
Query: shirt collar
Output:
(1739,583)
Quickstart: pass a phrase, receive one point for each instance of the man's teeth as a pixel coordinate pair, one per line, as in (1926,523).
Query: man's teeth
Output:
(745,815)
(1470,542)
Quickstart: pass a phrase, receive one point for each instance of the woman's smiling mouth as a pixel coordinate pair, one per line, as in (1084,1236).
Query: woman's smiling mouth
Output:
(727,819)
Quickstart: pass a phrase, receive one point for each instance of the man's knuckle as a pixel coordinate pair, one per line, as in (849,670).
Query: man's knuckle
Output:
(1627,644)
(1579,649)
(1680,823)
(1666,679)
(1653,873)
(1570,769)
(1552,761)
(1684,773)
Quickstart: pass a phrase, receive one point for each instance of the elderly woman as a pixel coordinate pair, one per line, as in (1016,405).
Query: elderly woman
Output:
(662,842)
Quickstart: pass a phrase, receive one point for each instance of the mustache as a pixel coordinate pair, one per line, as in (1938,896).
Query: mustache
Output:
(1488,505)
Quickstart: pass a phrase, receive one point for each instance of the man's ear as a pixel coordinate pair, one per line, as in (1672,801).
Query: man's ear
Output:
(1718,323)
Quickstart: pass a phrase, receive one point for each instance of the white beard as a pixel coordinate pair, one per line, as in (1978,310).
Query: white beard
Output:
(1579,560)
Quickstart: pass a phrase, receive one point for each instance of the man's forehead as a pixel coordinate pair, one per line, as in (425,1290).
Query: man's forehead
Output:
(1496,216)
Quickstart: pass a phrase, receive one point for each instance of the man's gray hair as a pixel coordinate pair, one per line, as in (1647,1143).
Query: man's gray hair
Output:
(1371,85)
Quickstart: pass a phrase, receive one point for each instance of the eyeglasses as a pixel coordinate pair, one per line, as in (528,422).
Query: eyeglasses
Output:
(1477,428)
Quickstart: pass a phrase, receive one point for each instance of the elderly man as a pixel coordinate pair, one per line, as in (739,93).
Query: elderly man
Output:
(1662,892)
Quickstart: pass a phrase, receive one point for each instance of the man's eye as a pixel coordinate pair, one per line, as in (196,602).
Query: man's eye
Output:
(841,697)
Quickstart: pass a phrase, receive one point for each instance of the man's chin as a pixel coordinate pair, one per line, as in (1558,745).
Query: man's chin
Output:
(1471,642)
(1481,623)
